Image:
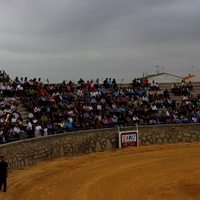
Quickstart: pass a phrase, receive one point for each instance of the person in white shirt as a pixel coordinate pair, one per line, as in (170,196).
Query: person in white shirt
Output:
(70,119)
(7,110)
(99,107)
(13,98)
(37,109)
(18,133)
(79,93)
(90,108)
(93,94)
(145,99)
(13,107)
(2,120)
(194,119)
(153,84)
(154,108)
(115,120)
(17,114)
(38,130)
(45,129)
(21,80)
(135,119)
(13,120)
(31,116)
(19,87)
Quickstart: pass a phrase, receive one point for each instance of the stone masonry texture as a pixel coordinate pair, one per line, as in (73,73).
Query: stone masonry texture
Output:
(28,152)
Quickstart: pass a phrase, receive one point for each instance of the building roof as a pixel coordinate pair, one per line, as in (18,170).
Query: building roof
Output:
(188,77)
(155,75)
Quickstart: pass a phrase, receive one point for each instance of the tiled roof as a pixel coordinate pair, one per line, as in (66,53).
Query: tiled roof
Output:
(188,77)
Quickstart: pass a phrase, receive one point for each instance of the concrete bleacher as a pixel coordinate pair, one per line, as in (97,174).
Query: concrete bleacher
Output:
(21,107)
(163,86)
(23,110)
(195,91)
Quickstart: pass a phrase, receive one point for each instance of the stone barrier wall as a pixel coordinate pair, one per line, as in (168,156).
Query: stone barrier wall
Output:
(24,153)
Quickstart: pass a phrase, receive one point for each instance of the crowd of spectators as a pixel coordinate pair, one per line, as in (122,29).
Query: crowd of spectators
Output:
(182,89)
(68,107)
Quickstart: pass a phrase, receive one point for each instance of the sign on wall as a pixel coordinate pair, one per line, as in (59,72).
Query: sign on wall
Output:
(128,138)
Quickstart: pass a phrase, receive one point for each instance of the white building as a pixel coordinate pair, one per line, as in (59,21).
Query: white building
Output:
(164,78)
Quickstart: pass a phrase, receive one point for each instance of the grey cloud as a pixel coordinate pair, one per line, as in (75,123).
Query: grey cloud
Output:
(110,36)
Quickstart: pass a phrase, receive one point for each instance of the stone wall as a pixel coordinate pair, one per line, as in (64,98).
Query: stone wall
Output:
(24,153)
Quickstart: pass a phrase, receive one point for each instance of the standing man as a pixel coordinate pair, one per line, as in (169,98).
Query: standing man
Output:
(3,173)
(29,129)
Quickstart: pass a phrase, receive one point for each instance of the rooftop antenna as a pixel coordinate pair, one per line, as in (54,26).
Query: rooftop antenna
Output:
(158,68)
(163,69)
(192,70)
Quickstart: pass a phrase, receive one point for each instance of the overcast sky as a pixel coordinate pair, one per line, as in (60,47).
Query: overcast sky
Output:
(122,39)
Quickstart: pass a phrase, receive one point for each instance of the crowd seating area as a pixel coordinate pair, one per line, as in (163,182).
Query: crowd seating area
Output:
(68,107)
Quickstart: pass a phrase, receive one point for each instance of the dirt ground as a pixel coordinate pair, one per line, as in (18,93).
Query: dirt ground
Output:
(155,172)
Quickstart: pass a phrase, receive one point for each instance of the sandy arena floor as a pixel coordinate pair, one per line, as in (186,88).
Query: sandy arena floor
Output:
(156,172)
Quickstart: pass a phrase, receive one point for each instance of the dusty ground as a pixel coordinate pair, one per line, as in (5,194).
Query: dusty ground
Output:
(154,172)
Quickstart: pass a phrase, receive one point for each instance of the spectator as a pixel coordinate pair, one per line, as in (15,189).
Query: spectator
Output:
(38,130)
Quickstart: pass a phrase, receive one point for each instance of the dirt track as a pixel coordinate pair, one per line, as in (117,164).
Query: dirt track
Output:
(156,172)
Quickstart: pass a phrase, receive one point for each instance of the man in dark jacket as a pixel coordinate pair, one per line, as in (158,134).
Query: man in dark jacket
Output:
(3,173)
